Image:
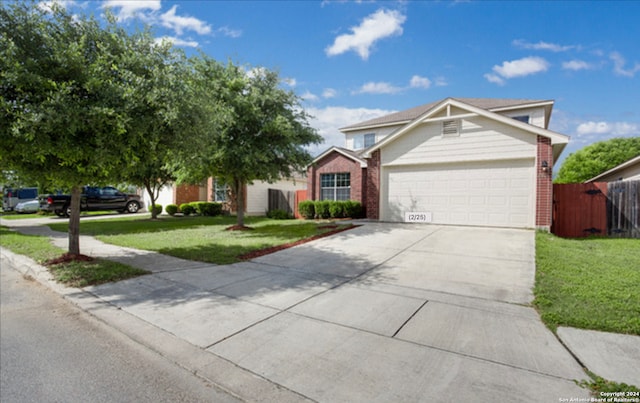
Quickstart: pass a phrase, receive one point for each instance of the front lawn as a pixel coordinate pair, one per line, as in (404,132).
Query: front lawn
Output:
(74,274)
(200,238)
(589,283)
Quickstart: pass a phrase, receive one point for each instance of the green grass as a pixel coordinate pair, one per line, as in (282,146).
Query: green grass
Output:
(74,274)
(589,283)
(198,238)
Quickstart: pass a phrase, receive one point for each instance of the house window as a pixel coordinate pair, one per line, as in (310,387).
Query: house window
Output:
(523,118)
(335,186)
(219,191)
(364,140)
(450,128)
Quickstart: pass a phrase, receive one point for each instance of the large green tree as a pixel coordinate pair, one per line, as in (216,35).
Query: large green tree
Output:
(72,96)
(262,134)
(597,158)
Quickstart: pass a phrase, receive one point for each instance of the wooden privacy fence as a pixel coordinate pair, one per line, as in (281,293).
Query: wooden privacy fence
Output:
(282,200)
(599,208)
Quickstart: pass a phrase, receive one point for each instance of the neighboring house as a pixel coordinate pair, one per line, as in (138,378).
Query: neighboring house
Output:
(462,161)
(256,194)
(627,171)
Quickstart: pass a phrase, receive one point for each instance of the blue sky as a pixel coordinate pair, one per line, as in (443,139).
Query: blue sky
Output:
(355,60)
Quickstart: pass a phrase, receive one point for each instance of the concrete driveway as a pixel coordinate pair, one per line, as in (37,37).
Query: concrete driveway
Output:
(383,312)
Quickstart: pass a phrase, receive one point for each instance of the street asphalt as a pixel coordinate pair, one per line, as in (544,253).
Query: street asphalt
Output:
(380,313)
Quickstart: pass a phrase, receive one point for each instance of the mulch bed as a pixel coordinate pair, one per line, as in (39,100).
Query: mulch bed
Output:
(68,258)
(266,251)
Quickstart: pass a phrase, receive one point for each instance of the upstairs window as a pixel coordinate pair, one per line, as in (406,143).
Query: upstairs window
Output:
(364,140)
(522,118)
(335,186)
(451,128)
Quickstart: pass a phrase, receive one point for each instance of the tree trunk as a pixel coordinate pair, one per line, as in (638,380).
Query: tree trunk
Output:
(74,220)
(239,201)
(153,196)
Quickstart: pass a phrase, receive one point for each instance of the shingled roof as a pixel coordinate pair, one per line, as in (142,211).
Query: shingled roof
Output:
(407,115)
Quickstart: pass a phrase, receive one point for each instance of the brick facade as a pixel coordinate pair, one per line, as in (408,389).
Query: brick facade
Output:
(544,184)
(338,163)
(186,194)
(373,186)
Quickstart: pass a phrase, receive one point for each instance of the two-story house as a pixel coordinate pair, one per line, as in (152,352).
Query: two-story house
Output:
(460,161)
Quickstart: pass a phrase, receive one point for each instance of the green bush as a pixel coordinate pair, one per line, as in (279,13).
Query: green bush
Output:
(307,209)
(209,209)
(157,209)
(323,208)
(171,209)
(336,209)
(278,214)
(187,209)
(353,209)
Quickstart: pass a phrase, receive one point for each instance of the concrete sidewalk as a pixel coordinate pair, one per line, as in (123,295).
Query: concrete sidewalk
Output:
(379,313)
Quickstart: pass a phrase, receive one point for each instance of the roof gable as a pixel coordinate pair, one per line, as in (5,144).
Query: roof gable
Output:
(635,161)
(490,104)
(442,111)
(345,152)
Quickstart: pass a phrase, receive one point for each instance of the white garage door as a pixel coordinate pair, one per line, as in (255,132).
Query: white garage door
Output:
(494,193)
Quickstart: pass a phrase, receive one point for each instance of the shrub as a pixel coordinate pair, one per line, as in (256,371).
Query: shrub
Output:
(187,209)
(307,209)
(323,208)
(209,209)
(336,209)
(157,209)
(278,214)
(352,209)
(171,209)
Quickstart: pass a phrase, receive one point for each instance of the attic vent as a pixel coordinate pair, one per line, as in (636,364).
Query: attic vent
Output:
(450,128)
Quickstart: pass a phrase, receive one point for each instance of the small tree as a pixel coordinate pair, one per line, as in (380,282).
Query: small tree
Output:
(70,94)
(262,136)
(597,158)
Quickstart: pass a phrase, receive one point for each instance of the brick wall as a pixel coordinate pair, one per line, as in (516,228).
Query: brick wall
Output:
(373,186)
(544,184)
(186,194)
(337,163)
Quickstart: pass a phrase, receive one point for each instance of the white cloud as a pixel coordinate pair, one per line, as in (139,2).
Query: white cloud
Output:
(419,82)
(231,33)
(132,8)
(441,82)
(291,82)
(378,88)
(379,25)
(619,63)
(614,128)
(329,93)
(576,65)
(553,47)
(179,24)
(492,78)
(517,68)
(309,96)
(327,121)
(177,41)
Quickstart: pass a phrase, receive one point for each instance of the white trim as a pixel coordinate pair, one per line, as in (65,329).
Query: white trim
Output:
(363,163)
(624,165)
(353,129)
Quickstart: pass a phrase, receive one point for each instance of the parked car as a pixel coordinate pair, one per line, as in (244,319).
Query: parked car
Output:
(12,197)
(31,206)
(93,199)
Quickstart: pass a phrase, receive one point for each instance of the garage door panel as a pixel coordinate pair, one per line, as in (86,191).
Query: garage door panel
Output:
(496,193)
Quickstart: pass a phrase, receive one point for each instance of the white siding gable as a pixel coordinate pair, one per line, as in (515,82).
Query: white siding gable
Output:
(480,139)
(536,115)
(380,133)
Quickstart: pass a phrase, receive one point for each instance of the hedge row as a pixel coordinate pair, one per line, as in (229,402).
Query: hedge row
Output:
(330,209)
(199,207)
